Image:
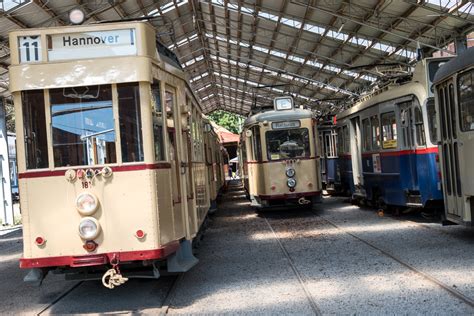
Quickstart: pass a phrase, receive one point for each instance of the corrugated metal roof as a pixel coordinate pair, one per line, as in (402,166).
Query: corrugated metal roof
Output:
(245,51)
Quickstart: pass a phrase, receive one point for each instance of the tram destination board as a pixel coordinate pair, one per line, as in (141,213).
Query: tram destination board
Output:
(286,124)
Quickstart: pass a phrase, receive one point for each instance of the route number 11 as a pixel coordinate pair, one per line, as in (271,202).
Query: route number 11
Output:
(30,49)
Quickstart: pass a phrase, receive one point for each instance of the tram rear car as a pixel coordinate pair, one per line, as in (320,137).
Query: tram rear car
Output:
(110,151)
(454,93)
(387,151)
(281,164)
(329,158)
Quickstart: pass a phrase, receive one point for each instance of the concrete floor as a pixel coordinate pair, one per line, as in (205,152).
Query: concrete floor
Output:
(243,268)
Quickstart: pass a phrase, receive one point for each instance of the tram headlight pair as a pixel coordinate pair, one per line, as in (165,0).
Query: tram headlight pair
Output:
(291,183)
(86,205)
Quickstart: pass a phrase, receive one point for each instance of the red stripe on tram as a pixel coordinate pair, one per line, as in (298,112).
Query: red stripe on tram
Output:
(100,259)
(424,151)
(124,168)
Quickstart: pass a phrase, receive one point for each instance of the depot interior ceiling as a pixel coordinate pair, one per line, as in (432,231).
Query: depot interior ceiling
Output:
(245,52)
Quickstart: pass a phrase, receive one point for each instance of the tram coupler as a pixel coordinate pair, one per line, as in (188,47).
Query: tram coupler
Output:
(183,259)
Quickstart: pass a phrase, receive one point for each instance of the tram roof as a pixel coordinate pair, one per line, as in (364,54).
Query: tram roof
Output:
(465,59)
(238,52)
(275,116)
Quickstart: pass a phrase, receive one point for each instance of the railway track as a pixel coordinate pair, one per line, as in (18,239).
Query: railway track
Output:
(455,293)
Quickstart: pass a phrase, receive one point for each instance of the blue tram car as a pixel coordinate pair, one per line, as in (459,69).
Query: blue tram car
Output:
(388,153)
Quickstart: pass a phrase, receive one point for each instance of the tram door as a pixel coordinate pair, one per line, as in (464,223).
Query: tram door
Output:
(187,168)
(406,122)
(450,151)
(170,98)
(322,153)
(356,155)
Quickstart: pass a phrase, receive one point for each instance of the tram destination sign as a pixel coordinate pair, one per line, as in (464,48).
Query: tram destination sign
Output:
(92,44)
(286,124)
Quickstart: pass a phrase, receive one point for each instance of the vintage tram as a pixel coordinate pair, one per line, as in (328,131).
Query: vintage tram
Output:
(387,152)
(279,155)
(111,159)
(454,95)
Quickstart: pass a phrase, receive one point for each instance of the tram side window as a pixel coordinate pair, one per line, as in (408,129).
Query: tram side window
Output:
(82,123)
(157,121)
(419,127)
(34,124)
(374,122)
(432,123)
(257,144)
(389,130)
(345,130)
(366,136)
(130,122)
(340,141)
(466,100)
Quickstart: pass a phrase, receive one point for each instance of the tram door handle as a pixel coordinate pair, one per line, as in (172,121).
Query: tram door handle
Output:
(184,165)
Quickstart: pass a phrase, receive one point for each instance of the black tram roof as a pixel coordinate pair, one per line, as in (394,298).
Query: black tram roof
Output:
(273,116)
(465,59)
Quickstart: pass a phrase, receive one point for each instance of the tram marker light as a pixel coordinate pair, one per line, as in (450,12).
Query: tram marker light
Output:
(90,245)
(140,234)
(40,241)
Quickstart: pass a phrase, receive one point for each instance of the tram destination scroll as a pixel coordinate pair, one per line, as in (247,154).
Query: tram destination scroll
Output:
(92,45)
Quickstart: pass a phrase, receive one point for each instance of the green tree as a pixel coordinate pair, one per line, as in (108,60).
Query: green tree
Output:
(226,119)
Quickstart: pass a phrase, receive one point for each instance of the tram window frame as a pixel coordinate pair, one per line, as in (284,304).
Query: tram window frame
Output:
(432,120)
(340,141)
(159,143)
(366,141)
(85,109)
(34,123)
(376,139)
(345,131)
(392,127)
(127,138)
(420,134)
(465,97)
(256,143)
(306,143)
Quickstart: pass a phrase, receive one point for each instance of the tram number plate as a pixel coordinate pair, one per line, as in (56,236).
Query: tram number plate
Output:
(86,184)
(29,49)
(288,124)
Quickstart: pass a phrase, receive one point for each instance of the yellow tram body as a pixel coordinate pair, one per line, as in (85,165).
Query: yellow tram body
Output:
(265,163)
(150,181)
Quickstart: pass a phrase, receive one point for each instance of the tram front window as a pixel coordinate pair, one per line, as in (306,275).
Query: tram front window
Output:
(291,143)
(82,126)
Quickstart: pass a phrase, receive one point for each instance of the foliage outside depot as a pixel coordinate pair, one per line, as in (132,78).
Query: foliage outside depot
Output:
(228,120)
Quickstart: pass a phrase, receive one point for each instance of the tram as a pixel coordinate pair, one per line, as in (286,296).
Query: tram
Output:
(329,157)
(454,95)
(387,150)
(281,166)
(111,160)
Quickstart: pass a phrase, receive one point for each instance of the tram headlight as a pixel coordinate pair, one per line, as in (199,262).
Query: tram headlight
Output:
(290,172)
(291,182)
(89,228)
(86,203)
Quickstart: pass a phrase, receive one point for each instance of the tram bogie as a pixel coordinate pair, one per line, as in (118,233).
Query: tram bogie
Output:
(387,154)
(454,86)
(280,163)
(110,145)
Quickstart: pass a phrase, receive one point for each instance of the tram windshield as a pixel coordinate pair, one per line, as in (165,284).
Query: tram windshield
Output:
(288,143)
(83,129)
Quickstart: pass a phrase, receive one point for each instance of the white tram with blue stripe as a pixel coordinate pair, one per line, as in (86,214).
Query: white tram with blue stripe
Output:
(388,154)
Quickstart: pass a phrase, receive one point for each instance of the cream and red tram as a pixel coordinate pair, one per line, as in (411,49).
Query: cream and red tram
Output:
(454,99)
(280,162)
(111,159)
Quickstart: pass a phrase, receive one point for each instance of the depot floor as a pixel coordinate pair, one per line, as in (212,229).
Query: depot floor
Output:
(340,259)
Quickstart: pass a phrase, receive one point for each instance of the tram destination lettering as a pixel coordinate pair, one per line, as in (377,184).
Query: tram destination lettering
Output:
(92,44)
(287,124)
